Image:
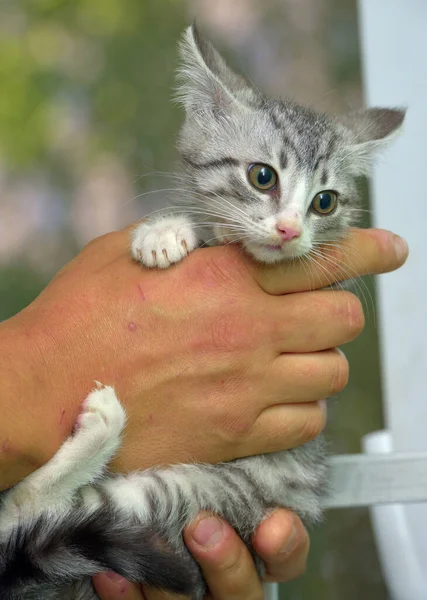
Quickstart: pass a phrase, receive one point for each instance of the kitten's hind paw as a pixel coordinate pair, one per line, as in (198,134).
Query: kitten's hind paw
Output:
(164,242)
(79,461)
(102,416)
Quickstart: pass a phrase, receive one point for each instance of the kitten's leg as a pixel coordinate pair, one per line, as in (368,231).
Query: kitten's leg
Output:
(81,459)
(164,241)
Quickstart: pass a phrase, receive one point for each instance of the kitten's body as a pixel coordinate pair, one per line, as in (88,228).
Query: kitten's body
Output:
(59,526)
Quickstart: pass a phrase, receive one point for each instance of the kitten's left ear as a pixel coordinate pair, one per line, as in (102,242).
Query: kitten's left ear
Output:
(371,130)
(207,84)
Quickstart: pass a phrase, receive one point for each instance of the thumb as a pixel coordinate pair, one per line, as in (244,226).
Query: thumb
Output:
(110,586)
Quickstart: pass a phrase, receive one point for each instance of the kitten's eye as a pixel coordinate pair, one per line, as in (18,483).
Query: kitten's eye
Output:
(262,177)
(325,202)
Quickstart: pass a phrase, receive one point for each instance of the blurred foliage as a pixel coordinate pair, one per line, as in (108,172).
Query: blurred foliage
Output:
(19,285)
(81,79)
(106,60)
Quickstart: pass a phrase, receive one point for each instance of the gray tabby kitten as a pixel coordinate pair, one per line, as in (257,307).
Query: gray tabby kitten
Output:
(279,178)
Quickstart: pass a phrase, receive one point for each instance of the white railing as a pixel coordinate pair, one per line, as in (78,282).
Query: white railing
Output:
(391,477)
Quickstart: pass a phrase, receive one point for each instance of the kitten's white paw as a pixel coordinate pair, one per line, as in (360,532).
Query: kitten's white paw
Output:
(79,461)
(163,242)
(102,416)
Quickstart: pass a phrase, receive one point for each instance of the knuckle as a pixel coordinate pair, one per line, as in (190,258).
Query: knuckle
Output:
(233,572)
(229,332)
(225,334)
(230,563)
(235,429)
(215,267)
(340,374)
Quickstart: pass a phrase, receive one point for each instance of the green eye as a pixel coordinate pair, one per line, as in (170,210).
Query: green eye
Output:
(325,202)
(262,177)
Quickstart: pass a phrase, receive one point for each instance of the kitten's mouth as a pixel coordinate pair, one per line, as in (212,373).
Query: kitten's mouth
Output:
(287,248)
(271,253)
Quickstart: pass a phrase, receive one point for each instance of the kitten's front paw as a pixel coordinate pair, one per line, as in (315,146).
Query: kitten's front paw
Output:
(162,243)
(102,416)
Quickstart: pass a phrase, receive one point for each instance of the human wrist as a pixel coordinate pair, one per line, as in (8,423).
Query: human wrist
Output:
(27,434)
(15,377)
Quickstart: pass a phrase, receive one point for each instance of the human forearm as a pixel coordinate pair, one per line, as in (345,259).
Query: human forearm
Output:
(24,422)
(14,461)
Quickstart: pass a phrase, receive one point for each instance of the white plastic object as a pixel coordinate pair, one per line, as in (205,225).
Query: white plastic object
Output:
(271,591)
(393,43)
(404,569)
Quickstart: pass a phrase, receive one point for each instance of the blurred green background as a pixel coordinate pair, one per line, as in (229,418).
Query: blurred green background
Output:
(87,132)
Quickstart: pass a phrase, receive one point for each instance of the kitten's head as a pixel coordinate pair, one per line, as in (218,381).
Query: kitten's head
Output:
(271,174)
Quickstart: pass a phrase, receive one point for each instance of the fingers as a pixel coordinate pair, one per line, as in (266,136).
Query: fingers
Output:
(294,378)
(225,561)
(293,410)
(283,543)
(110,586)
(283,426)
(364,251)
(314,321)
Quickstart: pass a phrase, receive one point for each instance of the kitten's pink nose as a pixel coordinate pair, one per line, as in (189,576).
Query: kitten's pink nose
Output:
(288,233)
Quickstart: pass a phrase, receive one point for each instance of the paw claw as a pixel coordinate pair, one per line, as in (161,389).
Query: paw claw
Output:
(101,413)
(163,242)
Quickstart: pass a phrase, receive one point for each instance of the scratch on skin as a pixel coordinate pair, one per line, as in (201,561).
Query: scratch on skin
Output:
(141,293)
(182,372)
(61,418)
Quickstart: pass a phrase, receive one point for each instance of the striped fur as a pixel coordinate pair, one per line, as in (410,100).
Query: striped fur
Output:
(56,529)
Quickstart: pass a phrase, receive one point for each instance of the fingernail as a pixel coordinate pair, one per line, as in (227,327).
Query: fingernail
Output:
(290,543)
(401,247)
(121,585)
(323,405)
(208,532)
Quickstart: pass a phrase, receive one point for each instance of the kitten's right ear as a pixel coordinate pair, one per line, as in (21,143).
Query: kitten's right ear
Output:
(370,131)
(206,82)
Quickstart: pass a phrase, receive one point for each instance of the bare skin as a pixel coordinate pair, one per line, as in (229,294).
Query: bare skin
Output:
(216,341)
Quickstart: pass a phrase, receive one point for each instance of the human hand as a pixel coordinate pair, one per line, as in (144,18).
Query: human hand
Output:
(280,540)
(216,341)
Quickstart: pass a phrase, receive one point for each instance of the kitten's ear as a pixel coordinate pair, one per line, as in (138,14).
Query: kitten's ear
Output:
(206,82)
(371,130)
